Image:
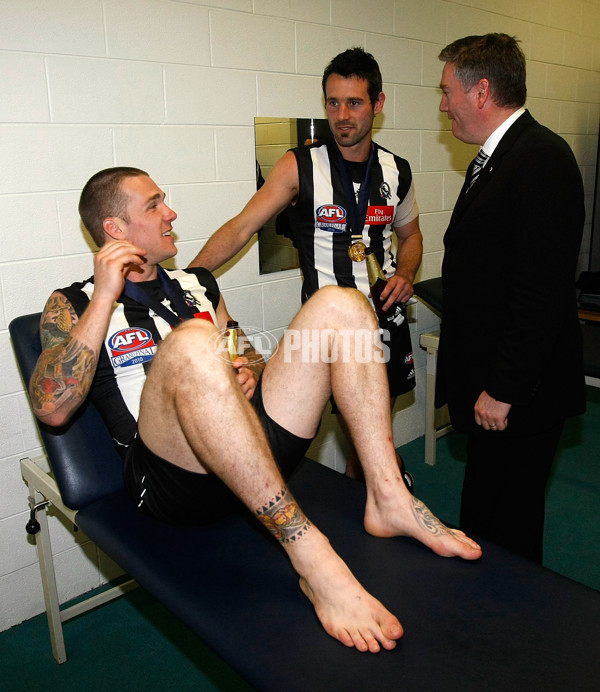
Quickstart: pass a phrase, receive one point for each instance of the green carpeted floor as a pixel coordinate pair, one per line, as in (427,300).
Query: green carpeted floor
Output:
(135,644)
(572,529)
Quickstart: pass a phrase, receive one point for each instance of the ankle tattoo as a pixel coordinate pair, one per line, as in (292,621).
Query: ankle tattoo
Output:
(427,519)
(283,517)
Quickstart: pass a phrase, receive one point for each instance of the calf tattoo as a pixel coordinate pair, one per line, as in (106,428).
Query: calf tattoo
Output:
(283,517)
(427,520)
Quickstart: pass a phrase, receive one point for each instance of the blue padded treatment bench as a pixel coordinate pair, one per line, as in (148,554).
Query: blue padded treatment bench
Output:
(501,623)
(430,292)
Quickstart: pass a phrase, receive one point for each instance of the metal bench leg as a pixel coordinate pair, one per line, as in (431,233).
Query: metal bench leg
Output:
(430,431)
(431,342)
(44,491)
(44,548)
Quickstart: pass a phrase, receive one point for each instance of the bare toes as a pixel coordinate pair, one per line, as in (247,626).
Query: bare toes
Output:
(374,647)
(362,645)
(365,642)
(343,636)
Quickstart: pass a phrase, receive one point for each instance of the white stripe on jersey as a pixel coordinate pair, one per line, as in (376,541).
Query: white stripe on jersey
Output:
(386,158)
(131,378)
(130,384)
(188,282)
(322,190)
(322,240)
(136,376)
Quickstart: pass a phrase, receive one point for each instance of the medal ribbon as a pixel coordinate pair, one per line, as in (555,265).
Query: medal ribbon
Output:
(357,210)
(135,291)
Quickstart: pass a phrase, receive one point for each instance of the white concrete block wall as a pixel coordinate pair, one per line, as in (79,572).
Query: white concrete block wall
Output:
(173,86)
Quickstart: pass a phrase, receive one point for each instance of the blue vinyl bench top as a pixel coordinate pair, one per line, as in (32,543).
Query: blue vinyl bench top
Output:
(498,624)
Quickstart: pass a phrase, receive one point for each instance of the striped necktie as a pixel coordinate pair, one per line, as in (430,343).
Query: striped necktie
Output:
(478,164)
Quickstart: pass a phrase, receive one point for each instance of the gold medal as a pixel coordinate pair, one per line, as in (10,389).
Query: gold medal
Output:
(356,251)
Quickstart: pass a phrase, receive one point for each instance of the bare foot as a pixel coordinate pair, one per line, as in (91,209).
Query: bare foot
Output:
(346,610)
(404,515)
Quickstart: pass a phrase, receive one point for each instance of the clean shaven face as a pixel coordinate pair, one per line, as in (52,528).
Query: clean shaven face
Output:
(150,222)
(460,106)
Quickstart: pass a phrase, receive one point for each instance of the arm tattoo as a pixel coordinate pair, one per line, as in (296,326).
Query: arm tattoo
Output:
(427,519)
(58,319)
(283,517)
(66,367)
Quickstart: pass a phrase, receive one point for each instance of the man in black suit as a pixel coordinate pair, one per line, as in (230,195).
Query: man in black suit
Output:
(510,358)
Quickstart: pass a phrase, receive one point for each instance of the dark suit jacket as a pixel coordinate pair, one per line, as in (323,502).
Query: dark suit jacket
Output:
(509,322)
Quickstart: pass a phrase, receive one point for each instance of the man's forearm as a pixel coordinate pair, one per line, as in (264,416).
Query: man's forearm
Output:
(62,380)
(65,370)
(408,259)
(279,190)
(226,242)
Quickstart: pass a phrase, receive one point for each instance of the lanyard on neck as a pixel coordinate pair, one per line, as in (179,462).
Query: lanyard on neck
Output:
(357,210)
(182,310)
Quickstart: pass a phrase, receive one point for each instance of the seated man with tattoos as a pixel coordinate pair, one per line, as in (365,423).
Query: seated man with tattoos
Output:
(201,435)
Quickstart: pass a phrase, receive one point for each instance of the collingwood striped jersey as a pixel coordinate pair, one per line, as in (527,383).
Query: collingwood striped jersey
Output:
(133,335)
(318,221)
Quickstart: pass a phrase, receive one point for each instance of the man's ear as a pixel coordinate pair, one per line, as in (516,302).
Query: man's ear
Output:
(378,105)
(112,227)
(482,92)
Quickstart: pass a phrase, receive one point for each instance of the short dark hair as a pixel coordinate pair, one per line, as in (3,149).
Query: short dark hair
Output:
(496,57)
(103,197)
(356,62)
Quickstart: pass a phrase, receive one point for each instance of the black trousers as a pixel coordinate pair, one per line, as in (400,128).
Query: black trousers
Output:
(503,496)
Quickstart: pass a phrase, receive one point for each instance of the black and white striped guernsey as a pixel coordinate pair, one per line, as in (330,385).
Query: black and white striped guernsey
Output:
(318,222)
(131,341)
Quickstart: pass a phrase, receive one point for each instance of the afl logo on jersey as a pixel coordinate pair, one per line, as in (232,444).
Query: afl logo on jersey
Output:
(131,346)
(331,217)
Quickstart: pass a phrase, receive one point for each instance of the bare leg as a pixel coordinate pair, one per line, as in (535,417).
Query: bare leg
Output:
(201,421)
(360,387)
(354,467)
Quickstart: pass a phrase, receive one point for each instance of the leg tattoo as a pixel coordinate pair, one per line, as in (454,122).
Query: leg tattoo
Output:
(283,517)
